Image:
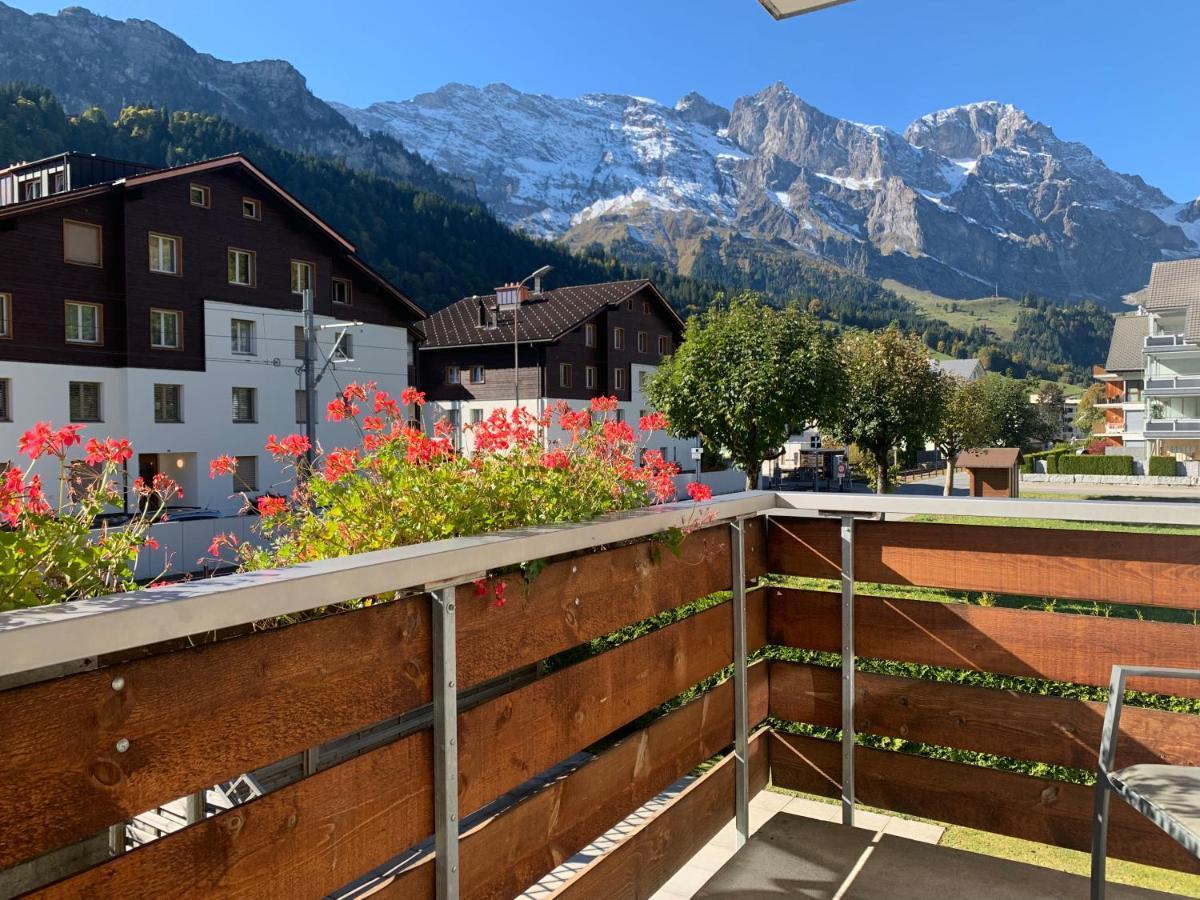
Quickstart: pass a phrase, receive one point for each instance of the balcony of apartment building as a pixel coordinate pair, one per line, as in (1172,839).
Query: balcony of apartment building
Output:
(633,719)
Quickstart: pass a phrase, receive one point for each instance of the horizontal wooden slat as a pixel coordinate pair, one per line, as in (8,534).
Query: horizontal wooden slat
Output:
(645,860)
(1044,729)
(1021,806)
(197,717)
(502,743)
(302,841)
(573,600)
(508,853)
(200,716)
(1136,568)
(505,742)
(1034,643)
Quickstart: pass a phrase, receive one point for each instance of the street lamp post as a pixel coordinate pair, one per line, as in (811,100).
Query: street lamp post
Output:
(536,277)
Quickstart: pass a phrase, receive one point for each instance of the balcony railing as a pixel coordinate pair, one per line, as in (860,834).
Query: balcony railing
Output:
(120,705)
(1173,427)
(1177,384)
(1168,342)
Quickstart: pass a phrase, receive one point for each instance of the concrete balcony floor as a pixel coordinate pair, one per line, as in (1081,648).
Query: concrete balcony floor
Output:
(791,853)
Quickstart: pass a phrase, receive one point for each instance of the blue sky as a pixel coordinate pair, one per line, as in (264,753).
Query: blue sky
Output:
(1117,75)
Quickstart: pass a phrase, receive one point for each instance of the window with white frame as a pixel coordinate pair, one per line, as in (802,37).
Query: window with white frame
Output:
(166,329)
(241,267)
(589,377)
(251,208)
(245,476)
(302,276)
(244,404)
(5,399)
(84,324)
(5,315)
(664,344)
(84,401)
(168,403)
(164,254)
(564,374)
(343,351)
(643,342)
(241,337)
(477,375)
(452,375)
(589,334)
(343,291)
(618,338)
(477,416)
(199,195)
(618,379)
(83,243)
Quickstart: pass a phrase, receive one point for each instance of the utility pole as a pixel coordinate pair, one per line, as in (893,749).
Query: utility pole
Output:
(312,378)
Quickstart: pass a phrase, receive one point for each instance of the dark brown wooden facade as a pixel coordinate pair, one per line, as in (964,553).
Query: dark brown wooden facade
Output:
(643,312)
(34,272)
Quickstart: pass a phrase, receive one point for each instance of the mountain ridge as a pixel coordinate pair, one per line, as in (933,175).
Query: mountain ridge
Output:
(967,201)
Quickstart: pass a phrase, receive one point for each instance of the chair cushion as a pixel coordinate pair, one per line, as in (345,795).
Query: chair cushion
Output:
(1167,795)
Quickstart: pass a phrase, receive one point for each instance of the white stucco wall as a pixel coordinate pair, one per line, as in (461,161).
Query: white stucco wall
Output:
(39,391)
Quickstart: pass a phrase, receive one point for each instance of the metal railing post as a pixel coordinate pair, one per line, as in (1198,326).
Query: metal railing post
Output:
(847,670)
(445,744)
(741,713)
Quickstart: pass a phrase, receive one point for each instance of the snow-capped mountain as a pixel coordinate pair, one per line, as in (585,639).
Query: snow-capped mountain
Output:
(966,201)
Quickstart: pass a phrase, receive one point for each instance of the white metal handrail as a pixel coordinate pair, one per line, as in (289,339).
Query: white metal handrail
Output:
(46,636)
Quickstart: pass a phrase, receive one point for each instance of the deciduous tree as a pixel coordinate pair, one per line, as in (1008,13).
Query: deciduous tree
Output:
(746,377)
(892,396)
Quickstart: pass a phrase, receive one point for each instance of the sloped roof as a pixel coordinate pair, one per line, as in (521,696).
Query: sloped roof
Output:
(966,369)
(543,318)
(1173,284)
(1128,341)
(991,458)
(220,162)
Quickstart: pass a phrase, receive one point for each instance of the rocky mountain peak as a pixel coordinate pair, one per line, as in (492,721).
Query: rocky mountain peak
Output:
(974,130)
(696,108)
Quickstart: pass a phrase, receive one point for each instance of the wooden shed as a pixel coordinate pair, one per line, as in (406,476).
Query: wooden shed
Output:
(995,472)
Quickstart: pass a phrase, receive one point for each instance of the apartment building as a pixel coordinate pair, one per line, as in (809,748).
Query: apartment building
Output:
(165,306)
(1172,358)
(1124,427)
(572,343)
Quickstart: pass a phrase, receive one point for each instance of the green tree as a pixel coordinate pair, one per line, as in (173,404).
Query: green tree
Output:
(967,421)
(1051,402)
(1019,422)
(892,396)
(1088,415)
(746,377)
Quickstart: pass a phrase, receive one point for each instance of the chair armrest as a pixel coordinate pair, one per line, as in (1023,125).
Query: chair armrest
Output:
(1116,699)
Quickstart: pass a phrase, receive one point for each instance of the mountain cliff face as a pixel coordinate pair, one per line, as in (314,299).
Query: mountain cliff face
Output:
(87,60)
(965,202)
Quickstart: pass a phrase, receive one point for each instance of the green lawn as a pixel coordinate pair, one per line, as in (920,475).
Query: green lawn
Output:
(1064,524)
(997,313)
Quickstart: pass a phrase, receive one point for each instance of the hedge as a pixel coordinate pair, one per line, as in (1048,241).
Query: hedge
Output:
(1095,465)
(1049,456)
(1163,466)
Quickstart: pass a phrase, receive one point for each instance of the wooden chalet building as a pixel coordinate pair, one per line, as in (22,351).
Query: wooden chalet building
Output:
(164,306)
(575,343)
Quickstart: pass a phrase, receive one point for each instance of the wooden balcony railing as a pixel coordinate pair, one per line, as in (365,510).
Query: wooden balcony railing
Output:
(119,705)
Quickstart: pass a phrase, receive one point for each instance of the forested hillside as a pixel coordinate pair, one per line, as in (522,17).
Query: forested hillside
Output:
(438,248)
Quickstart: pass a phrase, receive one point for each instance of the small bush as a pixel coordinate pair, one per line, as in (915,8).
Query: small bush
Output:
(1095,465)
(1163,466)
